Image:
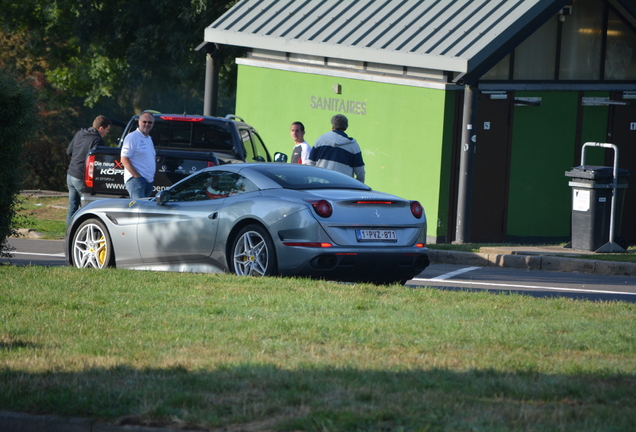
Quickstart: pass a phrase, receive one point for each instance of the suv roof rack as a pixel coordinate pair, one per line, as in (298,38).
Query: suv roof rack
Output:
(233,116)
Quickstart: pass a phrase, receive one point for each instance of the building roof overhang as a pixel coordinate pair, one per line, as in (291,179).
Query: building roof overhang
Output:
(464,37)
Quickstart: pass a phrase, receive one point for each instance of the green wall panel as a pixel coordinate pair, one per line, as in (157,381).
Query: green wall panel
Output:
(594,130)
(404,132)
(543,145)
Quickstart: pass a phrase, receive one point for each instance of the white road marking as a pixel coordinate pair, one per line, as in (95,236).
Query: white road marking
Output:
(452,274)
(38,254)
(529,286)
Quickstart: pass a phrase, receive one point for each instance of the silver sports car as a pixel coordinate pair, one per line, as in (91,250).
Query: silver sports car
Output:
(259,219)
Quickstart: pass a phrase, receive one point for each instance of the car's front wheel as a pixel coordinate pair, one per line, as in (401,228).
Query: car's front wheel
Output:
(253,253)
(92,247)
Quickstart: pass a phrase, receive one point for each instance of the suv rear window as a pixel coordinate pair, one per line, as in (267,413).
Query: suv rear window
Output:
(190,135)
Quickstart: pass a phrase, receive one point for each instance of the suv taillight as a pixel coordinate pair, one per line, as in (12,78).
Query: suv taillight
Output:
(181,118)
(88,174)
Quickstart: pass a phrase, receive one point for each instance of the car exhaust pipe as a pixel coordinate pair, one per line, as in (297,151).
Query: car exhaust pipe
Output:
(324,262)
(421,262)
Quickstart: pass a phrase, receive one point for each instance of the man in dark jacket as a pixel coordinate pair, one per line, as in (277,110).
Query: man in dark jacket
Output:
(337,151)
(84,141)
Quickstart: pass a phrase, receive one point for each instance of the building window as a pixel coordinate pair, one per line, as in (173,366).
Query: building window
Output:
(620,58)
(501,71)
(535,58)
(592,43)
(582,42)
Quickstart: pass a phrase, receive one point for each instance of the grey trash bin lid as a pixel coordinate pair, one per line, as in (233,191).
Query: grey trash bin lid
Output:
(601,174)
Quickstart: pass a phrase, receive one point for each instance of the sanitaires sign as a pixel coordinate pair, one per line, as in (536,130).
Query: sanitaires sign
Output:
(338,105)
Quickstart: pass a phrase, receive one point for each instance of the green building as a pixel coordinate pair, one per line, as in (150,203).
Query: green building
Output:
(475,108)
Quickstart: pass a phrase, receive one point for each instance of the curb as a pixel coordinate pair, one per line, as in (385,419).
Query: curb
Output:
(533,262)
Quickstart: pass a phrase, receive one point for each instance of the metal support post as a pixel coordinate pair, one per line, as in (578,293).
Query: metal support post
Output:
(468,138)
(212,68)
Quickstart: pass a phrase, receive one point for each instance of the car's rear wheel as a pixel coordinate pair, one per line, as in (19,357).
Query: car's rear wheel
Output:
(253,253)
(92,247)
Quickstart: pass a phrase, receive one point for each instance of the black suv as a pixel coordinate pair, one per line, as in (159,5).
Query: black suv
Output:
(206,134)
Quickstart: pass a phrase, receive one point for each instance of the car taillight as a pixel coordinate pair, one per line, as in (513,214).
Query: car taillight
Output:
(88,173)
(211,164)
(417,209)
(322,208)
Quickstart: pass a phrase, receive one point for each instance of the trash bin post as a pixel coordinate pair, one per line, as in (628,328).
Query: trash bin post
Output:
(589,213)
(610,246)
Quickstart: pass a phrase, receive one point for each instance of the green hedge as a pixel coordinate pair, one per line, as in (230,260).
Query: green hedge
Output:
(18,121)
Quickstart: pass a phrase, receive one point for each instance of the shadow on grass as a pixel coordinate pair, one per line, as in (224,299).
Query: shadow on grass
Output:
(316,399)
(14,345)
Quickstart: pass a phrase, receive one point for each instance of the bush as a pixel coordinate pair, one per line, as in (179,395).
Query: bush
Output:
(18,122)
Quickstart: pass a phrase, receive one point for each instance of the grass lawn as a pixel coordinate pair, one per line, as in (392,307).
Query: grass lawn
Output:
(283,354)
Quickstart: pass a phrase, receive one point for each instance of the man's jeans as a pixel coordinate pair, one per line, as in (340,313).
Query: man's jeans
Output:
(138,187)
(74,195)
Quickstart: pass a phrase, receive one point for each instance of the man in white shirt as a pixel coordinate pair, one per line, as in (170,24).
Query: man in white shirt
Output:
(301,149)
(138,157)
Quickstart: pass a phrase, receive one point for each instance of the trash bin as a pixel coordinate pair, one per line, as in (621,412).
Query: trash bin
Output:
(592,188)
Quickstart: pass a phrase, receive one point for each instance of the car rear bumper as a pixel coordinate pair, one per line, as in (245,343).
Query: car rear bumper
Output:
(376,267)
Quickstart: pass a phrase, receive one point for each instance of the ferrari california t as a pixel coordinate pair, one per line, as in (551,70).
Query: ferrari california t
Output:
(257,219)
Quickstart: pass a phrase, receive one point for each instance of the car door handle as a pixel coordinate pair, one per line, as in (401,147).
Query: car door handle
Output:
(213,216)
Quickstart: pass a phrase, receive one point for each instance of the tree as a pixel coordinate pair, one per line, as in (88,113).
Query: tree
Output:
(17,123)
(44,164)
(103,57)
(117,49)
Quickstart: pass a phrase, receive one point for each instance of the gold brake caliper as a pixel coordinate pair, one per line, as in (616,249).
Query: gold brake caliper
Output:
(102,253)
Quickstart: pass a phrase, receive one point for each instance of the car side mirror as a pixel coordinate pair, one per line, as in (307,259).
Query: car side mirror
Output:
(280,157)
(162,197)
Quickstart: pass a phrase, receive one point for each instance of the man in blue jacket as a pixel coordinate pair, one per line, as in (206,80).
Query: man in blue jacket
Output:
(84,141)
(337,151)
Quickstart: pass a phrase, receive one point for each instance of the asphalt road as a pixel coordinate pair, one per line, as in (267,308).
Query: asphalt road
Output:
(530,282)
(36,252)
(443,276)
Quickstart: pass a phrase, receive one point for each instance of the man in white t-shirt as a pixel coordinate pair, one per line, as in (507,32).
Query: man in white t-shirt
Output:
(301,148)
(138,157)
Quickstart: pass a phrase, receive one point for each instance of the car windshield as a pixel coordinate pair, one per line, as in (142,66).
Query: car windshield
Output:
(307,177)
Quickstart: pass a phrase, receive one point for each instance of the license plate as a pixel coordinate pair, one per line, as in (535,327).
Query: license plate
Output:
(364,235)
